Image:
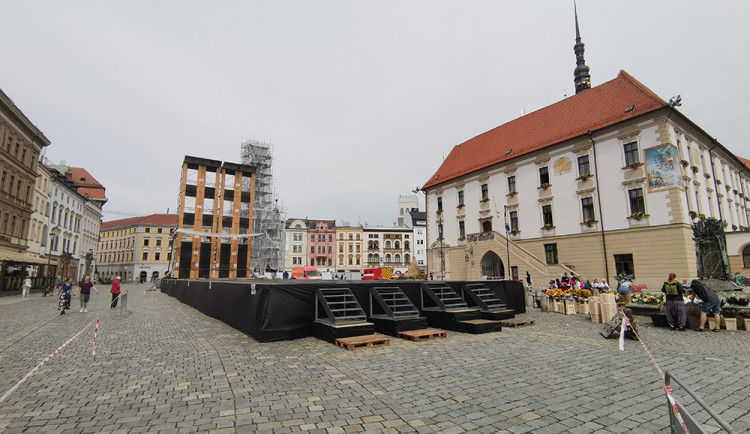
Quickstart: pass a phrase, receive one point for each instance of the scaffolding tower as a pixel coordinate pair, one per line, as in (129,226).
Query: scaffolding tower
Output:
(267,253)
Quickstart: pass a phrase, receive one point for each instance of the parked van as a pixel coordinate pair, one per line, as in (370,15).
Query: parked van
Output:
(305,273)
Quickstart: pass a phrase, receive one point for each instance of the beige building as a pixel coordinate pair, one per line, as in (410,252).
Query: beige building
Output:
(136,249)
(39,228)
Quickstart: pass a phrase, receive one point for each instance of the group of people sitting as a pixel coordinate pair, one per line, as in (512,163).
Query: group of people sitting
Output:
(574,282)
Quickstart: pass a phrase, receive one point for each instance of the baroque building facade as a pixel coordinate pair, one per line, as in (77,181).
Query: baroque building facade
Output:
(321,244)
(604,182)
(388,247)
(21,144)
(295,246)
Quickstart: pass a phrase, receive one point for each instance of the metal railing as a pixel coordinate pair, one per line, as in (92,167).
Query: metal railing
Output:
(689,421)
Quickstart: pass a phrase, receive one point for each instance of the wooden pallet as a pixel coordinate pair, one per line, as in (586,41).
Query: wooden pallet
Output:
(417,335)
(357,342)
(517,322)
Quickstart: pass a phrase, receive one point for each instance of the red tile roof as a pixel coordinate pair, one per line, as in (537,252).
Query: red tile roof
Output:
(745,161)
(596,108)
(153,219)
(86,184)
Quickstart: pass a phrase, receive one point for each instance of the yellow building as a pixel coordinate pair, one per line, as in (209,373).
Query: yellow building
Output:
(136,249)
(349,250)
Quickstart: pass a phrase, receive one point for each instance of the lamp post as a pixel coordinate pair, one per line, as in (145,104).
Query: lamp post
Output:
(442,253)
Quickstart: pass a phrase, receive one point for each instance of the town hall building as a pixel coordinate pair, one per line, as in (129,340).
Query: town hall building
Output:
(604,182)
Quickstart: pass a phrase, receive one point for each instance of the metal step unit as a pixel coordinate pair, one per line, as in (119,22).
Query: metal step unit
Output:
(339,306)
(483,297)
(440,296)
(392,303)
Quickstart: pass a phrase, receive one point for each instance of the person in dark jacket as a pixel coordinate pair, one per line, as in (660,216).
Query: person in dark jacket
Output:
(711,303)
(676,309)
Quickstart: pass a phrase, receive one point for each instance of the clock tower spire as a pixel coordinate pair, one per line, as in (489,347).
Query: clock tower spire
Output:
(581,73)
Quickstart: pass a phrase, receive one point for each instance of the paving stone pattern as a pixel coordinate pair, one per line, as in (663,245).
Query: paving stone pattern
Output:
(165,367)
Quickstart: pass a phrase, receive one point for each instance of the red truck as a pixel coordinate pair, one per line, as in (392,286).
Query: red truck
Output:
(383,273)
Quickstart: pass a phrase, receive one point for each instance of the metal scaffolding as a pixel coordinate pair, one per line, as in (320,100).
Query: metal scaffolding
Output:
(267,252)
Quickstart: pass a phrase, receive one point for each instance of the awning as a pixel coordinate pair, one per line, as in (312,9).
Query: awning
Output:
(23,258)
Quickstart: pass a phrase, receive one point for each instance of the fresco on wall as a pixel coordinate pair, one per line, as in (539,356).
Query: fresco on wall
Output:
(663,168)
(563,165)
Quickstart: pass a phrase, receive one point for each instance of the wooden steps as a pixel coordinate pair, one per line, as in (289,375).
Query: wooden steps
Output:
(517,322)
(357,342)
(417,335)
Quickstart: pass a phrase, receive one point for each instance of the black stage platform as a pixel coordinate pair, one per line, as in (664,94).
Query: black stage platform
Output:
(275,310)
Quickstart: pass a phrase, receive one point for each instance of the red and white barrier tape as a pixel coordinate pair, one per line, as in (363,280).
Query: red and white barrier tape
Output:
(96,330)
(34,371)
(667,389)
(675,409)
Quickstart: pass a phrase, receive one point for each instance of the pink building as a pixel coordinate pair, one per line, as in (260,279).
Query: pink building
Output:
(322,234)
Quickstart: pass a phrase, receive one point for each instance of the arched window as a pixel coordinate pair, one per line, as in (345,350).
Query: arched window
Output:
(406,245)
(407,258)
(396,245)
(369,258)
(397,258)
(388,258)
(351,260)
(746,257)
(388,244)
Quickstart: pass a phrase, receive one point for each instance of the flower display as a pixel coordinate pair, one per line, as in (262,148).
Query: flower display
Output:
(649,298)
(569,293)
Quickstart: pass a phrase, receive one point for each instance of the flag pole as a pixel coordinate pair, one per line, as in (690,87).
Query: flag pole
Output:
(507,239)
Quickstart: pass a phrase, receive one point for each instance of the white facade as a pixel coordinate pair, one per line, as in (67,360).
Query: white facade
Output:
(613,193)
(416,221)
(66,215)
(295,245)
(92,220)
(388,247)
(406,204)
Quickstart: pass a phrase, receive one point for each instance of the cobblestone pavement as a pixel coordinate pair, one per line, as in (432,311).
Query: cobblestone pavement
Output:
(165,367)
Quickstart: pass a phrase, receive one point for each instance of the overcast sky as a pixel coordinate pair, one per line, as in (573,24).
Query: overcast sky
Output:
(361,99)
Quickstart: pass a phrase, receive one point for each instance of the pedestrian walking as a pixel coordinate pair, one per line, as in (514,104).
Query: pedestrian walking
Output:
(115,292)
(85,287)
(676,309)
(26,287)
(711,304)
(528,279)
(64,297)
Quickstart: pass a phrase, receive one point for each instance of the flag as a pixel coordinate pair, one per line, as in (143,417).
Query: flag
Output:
(624,326)
(507,227)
